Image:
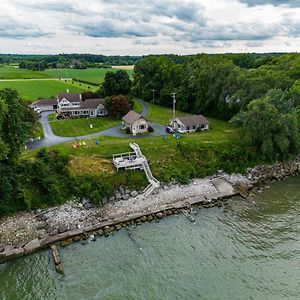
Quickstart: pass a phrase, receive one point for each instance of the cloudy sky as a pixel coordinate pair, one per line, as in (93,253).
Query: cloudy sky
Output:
(136,27)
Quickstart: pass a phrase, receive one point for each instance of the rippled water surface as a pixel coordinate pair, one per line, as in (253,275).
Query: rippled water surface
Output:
(250,250)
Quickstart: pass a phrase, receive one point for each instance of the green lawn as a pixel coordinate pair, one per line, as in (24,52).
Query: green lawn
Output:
(162,115)
(16,73)
(95,76)
(137,107)
(32,90)
(77,127)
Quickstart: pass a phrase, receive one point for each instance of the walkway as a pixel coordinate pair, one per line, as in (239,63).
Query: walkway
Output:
(50,139)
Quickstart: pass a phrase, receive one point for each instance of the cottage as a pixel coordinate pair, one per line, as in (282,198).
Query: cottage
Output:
(189,123)
(72,104)
(44,105)
(135,122)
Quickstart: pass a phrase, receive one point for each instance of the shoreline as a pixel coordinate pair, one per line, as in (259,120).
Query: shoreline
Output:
(26,233)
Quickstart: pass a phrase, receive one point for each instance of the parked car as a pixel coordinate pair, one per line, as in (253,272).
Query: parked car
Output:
(169,129)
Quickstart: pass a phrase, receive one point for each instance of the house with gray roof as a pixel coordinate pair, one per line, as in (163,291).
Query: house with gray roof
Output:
(135,122)
(44,105)
(72,104)
(189,124)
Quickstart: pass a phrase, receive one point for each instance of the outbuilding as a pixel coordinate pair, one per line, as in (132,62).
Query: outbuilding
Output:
(189,124)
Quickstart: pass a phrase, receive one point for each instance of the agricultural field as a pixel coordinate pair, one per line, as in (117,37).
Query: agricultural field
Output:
(9,72)
(35,89)
(95,76)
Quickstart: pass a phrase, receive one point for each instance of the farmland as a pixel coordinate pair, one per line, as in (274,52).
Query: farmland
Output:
(95,76)
(35,89)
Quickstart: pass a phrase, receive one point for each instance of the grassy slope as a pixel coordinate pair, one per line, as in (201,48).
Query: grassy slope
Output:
(31,90)
(76,127)
(162,115)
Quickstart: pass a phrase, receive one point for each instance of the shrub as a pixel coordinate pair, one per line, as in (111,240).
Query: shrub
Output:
(127,130)
(150,129)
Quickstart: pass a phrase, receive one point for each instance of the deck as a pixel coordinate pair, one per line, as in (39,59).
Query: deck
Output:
(127,161)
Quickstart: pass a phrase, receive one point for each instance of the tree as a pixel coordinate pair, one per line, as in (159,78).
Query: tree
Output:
(15,127)
(117,83)
(270,125)
(117,106)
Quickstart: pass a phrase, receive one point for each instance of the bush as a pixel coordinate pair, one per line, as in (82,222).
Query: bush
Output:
(150,129)
(127,130)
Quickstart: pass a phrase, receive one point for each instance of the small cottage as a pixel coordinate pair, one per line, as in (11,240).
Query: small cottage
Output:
(189,123)
(135,122)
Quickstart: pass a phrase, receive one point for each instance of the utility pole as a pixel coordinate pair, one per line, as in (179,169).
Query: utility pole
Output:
(174,103)
(153,91)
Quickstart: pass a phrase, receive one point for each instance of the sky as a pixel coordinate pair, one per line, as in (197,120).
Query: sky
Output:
(140,27)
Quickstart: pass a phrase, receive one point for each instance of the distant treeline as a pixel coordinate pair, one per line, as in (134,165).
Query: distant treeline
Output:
(83,61)
(76,61)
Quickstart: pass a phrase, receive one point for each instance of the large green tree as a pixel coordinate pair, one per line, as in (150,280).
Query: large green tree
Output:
(270,125)
(117,83)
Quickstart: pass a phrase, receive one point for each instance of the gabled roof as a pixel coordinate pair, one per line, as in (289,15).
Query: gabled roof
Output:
(71,97)
(42,102)
(92,103)
(193,120)
(131,117)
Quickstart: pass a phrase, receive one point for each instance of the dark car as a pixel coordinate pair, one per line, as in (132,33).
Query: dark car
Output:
(169,129)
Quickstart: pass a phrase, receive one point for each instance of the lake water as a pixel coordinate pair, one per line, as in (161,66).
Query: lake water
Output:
(250,250)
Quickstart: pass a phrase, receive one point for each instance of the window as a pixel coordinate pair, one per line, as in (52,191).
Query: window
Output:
(194,127)
(142,126)
(92,112)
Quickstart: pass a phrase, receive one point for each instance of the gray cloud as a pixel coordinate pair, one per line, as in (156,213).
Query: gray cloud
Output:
(11,28)
(291,3)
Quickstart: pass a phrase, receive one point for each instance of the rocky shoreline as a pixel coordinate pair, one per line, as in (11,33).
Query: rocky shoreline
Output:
(25,233)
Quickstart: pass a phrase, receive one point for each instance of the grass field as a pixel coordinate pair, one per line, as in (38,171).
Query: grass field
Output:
(16,73)
(35,89)
(162,115)
(77,127)
(95,76)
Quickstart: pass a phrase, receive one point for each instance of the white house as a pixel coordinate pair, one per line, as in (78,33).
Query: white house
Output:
(189,123)
(72,104)
(135,122)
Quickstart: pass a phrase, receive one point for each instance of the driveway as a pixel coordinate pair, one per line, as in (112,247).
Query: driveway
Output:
(51,139)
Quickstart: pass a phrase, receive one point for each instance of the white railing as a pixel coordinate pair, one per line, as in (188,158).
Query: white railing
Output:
(154,183)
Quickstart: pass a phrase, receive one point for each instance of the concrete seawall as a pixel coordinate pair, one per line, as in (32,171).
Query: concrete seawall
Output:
(224,190)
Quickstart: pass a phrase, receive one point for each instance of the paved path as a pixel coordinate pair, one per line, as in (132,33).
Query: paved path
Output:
(51,139)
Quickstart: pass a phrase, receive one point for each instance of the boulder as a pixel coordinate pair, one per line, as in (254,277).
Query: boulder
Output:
(118,196)
(88,205)
(62,228)
(121,190)
(134,193)
(125,197)
(112,198)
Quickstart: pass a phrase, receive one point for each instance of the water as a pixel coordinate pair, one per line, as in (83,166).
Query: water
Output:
(250,250)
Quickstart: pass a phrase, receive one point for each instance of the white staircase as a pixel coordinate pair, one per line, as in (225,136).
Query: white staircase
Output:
(154,183)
